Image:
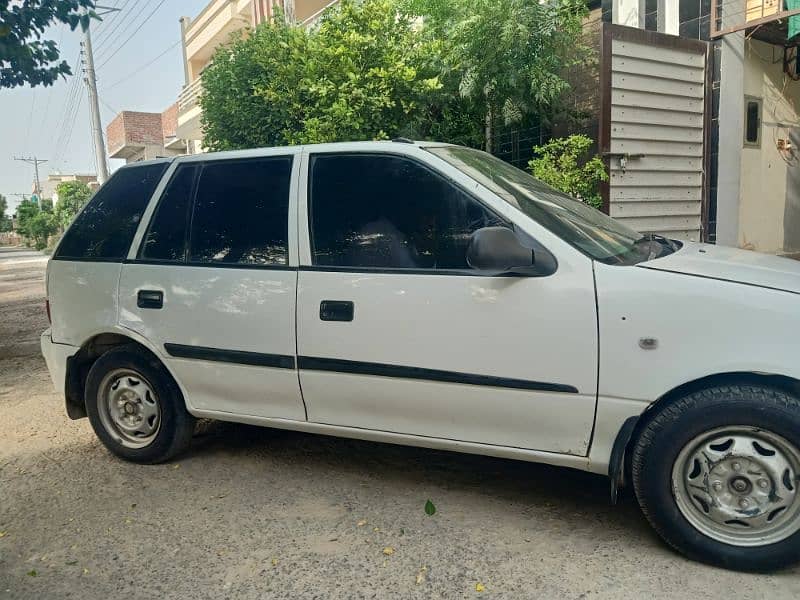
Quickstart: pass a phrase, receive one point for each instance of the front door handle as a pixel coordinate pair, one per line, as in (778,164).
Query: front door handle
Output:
(336,310)
(150,299)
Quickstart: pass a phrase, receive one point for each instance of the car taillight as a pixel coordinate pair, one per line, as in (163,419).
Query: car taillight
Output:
(47,307)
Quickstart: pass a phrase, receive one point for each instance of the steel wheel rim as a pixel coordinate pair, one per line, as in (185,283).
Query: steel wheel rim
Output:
(738,485)
(129,409)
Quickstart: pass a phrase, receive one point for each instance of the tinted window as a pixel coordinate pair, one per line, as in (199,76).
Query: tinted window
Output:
(389,212)
(166,238)
(105,228)
(241,212)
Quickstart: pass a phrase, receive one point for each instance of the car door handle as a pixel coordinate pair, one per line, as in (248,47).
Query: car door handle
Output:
(150,299)
(336,310)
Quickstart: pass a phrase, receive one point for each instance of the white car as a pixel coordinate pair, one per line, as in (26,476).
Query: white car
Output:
(432,295)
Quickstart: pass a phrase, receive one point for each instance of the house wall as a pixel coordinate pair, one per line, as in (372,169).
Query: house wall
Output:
(766,222)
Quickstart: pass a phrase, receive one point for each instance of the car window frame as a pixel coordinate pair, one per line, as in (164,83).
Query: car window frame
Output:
(308,167)
(143,218)
(148,218)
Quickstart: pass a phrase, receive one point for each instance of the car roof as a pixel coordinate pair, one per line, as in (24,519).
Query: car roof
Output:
(328,147)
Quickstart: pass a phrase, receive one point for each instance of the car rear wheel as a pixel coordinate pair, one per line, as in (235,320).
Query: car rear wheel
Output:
(716,473)
(136,408)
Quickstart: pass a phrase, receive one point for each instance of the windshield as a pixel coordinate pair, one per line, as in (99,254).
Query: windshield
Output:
(591,231)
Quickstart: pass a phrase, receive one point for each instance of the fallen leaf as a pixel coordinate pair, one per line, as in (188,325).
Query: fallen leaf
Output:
(421,575)
(86,571)
(178,466)
(274,562)
(32,573)
(361,523)
(479,587)
(388,551)
(376,529)
(430,508)
(3,533)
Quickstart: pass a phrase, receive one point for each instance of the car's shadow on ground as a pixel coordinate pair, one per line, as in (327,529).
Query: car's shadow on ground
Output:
(574,494)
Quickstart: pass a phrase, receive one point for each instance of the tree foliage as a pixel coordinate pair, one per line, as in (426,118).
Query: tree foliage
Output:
(25,57)
(567,165)
(34,224)
(72,196)
(361,74)
(5,220)
(508,57)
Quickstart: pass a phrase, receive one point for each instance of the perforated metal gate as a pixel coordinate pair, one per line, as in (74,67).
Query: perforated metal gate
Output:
(653,130)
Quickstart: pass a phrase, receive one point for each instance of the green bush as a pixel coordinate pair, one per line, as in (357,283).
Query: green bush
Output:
(566,164)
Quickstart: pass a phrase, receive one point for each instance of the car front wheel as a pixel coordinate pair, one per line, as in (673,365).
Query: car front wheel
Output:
(716,473)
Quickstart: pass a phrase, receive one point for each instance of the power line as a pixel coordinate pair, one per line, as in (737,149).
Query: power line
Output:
(142,68)
(108,34)
(130,19)
(135,31)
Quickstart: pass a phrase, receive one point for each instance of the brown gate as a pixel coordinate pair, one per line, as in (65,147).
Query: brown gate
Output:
(654,112)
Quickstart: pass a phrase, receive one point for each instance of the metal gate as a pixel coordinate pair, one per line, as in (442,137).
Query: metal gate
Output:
(654,109)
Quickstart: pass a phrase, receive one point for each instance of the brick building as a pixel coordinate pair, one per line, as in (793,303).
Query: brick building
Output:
(135,136)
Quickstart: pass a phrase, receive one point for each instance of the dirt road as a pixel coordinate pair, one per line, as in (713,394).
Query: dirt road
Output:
(255,513)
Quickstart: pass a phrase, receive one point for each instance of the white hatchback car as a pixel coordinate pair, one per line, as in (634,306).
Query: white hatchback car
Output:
(432,295)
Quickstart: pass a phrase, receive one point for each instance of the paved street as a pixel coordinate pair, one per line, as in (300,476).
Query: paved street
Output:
(255,513)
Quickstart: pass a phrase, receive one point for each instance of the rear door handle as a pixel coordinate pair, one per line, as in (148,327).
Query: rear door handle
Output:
(150,299)
(336,310)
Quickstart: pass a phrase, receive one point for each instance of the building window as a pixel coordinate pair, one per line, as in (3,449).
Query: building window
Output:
(752,121)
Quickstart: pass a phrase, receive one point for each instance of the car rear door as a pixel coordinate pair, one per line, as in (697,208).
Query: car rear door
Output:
(396,333)
(211,284)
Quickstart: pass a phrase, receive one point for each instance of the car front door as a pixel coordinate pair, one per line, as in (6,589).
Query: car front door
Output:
(396,333)
(212,284)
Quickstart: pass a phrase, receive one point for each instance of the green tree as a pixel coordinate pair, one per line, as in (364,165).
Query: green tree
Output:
(5,220)
(361,74)
(251,94)
(24,56)
(72,196)
(567,165)
(26,212)
(506,56)
(41,227)
(367,77)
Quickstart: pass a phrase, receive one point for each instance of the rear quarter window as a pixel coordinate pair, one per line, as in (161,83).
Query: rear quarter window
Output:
(105,228)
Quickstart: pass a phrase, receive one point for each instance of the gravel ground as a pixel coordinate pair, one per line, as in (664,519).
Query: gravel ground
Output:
(257,513)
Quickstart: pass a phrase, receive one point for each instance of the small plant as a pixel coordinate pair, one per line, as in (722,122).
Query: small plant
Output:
(565,164)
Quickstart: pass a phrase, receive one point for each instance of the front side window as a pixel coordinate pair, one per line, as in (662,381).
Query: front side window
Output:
(166,237)
(385,211)
(105,228)
(591,231)
(241,212)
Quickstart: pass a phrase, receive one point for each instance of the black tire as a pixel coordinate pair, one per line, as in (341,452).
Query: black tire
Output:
(665,434)
(176,424)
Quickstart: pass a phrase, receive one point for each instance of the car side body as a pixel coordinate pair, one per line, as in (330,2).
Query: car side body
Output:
(557,367)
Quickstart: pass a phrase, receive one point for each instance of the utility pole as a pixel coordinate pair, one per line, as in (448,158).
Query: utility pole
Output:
(37,187)
(90,78)
(94,106)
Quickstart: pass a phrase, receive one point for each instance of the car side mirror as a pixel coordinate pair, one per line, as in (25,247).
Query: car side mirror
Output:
(497,249)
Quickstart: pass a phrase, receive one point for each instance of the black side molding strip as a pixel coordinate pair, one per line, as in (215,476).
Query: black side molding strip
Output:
(239,357)
(311,363)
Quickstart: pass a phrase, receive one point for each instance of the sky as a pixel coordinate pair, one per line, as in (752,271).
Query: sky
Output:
(139,67)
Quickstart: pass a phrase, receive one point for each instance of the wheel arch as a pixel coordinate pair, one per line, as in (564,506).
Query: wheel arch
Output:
(619,467)
(79,364)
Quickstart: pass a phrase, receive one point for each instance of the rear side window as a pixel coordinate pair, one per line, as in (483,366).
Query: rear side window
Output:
(241,212)
(384,211)
(105,228)
(166,237)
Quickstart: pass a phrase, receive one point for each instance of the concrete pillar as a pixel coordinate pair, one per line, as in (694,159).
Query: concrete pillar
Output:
(731,132)
(668,16)
(628,12)
(185,22)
